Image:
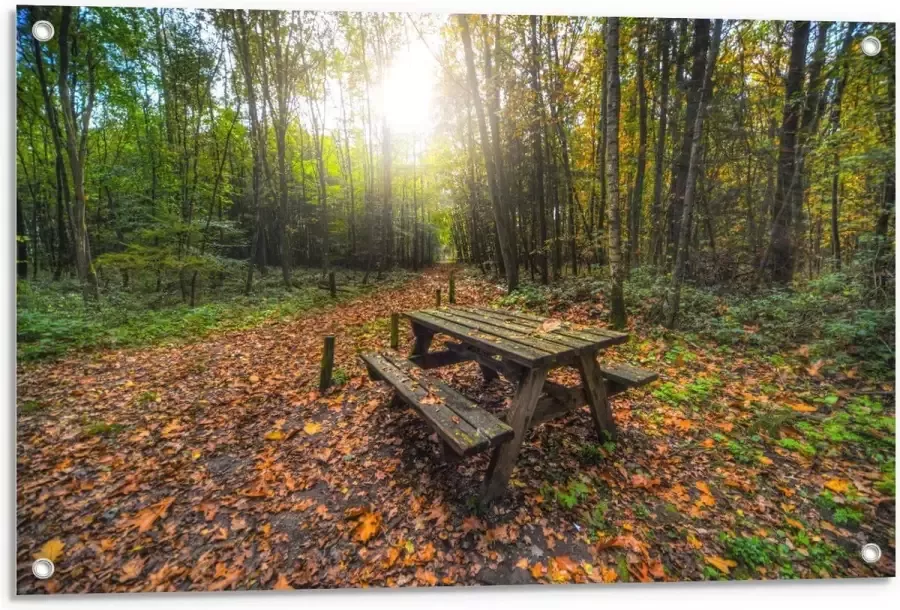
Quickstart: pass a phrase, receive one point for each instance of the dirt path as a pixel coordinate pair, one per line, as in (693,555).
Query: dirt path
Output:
(215,465)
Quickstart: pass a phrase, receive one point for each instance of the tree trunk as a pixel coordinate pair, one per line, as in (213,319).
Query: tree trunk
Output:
(76,145)
(699,49)
(538,151)
(781,259)
(665,41)
(674,296)
(500,214)
(616,269)
(634,215)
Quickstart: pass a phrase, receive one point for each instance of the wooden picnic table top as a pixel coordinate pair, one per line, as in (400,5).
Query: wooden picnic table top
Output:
(529,340)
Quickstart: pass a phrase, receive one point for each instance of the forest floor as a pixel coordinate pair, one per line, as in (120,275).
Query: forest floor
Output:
(217,465)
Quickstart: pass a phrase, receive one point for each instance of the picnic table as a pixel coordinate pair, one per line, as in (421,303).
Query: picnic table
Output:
(521,347)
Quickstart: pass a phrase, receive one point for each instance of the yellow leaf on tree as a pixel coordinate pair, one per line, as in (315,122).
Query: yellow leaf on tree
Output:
(368,526)
(838,485)
(723,565)
(312,427)
(51,550)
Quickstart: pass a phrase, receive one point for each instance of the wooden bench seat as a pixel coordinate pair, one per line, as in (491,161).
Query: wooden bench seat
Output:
(619,377)
(559,400)
(464,428)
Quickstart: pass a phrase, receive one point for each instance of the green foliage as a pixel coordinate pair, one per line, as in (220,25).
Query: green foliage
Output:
(836,315)
(339,377)
(751,551)
(30,407)
(569,496)
(52,318)
(797,446)
(100,428)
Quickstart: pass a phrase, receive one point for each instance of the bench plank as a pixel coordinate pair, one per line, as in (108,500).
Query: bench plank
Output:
(465,428)
(494,429)
(626,375)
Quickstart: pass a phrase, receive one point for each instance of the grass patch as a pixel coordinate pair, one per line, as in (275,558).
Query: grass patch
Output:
(99,428)
(53,319)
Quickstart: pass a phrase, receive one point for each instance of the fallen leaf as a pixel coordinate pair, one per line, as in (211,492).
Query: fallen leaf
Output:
(802,407)
(426,577)
(312,427)
(51,550)
(282,584)
(145,519)
(132,569)
(537,570)
(522,563)
(274,435)
(723,565)
(368,526)
(693,541)
(838,485)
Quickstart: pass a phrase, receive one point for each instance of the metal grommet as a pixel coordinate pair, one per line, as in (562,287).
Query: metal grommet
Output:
(44,568)
(42,30)
(870,552)
(871,46)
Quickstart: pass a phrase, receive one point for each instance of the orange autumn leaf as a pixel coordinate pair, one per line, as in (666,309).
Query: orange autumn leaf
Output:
(840,486)
(426,577)
(145,519)
(703,487)
(801,407)
(693,541)
(132,569)
(537,570)
(228,578)
(52,550)
(282,584)
(522,563)
(426,553)
(794,523)
(368,526)
(723,565)
(393,555)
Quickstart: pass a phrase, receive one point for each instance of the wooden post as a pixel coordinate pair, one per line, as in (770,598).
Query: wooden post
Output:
(327,363)
(395,330)
(332,288)
(452,289)
(437,297)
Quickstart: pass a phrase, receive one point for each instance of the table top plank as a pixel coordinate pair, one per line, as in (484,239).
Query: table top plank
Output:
(601,337)
(491,344)
(526,339)
(527,328)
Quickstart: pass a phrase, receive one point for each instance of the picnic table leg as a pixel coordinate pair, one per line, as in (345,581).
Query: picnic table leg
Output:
(598,401)
(423,340)
(488,373)
(504,458)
